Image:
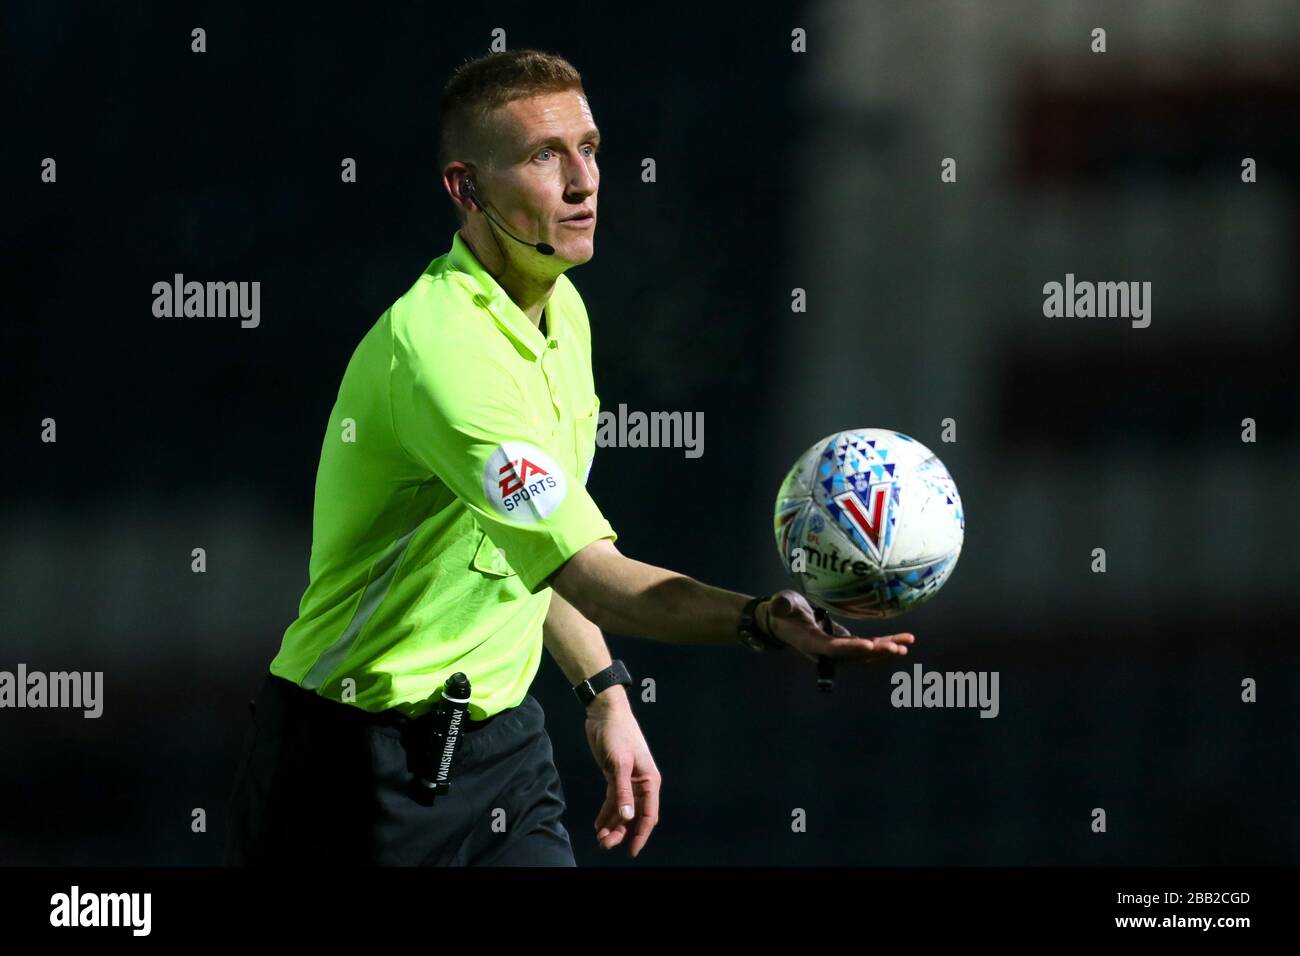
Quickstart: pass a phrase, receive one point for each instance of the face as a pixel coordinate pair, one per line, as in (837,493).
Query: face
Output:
(542,174)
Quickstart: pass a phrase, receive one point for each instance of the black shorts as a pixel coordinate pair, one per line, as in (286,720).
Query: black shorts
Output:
(324,782)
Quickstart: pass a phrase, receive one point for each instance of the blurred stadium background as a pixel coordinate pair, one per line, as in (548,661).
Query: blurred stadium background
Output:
(775,171)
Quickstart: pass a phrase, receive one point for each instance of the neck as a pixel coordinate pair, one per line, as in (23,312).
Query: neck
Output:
(529,292)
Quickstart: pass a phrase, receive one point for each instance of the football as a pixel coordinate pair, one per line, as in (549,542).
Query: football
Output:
(869,522)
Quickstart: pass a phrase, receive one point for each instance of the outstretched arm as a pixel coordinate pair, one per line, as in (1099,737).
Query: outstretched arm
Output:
(631,597)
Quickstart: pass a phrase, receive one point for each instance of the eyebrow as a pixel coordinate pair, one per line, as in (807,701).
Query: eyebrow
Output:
(592,135)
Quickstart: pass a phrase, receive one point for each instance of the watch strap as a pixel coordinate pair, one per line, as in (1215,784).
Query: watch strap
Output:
(615,673)
(751,633)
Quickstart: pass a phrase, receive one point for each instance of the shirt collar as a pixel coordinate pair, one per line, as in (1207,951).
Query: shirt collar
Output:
(509,317)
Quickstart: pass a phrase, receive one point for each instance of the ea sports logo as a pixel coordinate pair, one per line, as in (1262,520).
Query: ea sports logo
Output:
(522,482)
(515,474)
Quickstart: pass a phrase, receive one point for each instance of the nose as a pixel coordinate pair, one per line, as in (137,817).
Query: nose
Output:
(583,182)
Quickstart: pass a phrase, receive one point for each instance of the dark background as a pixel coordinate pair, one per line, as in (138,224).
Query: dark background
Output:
(775,170)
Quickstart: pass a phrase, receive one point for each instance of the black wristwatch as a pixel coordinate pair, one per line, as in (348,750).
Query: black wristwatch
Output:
(615,673)
(751,633)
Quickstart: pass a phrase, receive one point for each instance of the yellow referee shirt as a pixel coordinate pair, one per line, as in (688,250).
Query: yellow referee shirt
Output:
(451,485)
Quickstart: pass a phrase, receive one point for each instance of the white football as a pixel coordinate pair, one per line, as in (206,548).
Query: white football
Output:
(869,522)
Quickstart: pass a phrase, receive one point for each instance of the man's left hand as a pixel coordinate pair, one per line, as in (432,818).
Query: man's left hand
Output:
(632,779)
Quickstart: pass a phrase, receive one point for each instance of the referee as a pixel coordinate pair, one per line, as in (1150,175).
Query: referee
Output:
(452,532)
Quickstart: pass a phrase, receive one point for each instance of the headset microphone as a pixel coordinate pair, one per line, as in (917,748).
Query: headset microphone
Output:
(545,248)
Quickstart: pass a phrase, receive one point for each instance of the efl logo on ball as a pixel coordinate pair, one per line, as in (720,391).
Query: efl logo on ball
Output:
(522,482)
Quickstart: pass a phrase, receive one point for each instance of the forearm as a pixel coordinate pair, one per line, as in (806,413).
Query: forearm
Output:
(642,600)
(578,647)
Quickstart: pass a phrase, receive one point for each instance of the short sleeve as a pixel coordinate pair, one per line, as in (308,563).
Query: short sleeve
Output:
(459,414)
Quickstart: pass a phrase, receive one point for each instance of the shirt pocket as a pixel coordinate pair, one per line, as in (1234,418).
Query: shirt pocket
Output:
(491,560)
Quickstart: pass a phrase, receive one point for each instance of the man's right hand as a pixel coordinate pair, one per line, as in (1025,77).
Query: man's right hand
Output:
(789,618)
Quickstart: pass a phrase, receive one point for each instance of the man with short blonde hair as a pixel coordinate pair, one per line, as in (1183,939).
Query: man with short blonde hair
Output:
(454,533)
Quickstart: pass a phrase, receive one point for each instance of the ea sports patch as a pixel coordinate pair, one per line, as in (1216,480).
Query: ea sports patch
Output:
(522,482)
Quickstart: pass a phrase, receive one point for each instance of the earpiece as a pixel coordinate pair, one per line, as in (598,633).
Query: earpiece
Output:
(470,192)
